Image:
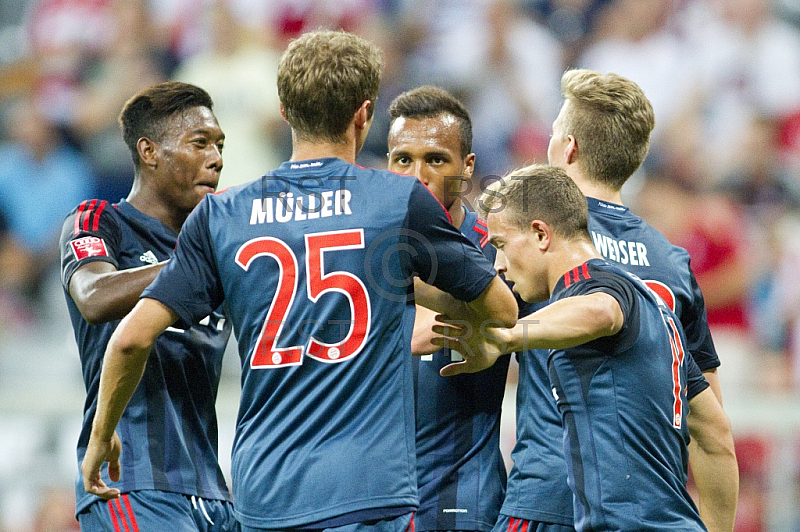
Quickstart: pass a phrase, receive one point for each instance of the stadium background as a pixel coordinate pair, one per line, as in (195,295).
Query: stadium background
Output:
(722,178)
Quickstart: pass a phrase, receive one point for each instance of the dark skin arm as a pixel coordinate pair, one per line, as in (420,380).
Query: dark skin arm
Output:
(102,293)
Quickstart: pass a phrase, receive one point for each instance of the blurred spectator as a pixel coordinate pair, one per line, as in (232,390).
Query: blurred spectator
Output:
(482,51)
(757,177)
(41,180)
(60,33)
(56,513)
(571,21)
(719,239)
(134,59)
(750,69)
(753,453)
(639,39)
(239,71)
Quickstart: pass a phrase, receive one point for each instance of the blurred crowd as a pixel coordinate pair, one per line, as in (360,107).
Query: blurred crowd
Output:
(722,178)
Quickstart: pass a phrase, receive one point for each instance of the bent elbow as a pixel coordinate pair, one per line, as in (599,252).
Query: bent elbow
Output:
(93,315)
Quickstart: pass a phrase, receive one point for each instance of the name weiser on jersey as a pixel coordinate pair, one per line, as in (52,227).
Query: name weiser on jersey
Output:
(287,207)
(622,251)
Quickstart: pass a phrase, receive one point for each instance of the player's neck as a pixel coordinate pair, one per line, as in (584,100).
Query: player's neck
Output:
(149,202)
(303,150)
(457,214)
(570,255)
(598,191)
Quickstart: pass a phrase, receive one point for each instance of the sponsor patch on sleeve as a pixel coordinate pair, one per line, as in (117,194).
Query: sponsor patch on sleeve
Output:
(88,246)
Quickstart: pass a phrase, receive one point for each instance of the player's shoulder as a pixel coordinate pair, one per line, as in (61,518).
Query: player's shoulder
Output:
(658,243)
(591,274)
(89,215)
(475,228)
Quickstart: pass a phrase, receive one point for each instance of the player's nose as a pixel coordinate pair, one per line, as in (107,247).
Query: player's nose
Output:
(215,158)
(500,264)
(418,170)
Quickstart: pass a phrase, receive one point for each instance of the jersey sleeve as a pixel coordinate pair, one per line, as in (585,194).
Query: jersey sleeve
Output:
(189,284)
(698,336)
(695,381)
(90,233)
(620,289)
(441,255)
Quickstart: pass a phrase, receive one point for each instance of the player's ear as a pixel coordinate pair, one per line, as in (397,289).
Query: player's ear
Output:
(571,150)
(148,152)
(469,166)
(363,115)
(283,113)
(542,233)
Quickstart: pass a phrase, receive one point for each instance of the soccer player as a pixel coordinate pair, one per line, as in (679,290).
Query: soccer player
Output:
(460,470)
(315,264)
(170,477)
(600,138)
(617,364)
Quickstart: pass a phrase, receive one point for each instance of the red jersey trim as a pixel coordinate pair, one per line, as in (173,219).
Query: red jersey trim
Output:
(87,218)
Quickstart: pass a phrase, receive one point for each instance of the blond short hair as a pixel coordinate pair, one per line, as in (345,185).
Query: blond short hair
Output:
(539,192)
(323,78)
(611,119)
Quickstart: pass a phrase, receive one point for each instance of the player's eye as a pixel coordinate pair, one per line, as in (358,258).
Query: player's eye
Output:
(437,160)
(403,161)
(220,147)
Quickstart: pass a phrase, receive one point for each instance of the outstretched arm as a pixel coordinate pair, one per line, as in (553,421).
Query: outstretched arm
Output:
(123,365)
(495,305)
(566,323)
(713,461)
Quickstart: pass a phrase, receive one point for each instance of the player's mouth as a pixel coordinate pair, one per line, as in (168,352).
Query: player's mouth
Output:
(207,188)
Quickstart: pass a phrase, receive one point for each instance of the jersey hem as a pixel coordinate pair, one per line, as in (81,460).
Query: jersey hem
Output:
(297,521)
(87,501)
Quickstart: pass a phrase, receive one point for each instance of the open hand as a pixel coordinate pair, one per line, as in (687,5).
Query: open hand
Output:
(480,348)
(97,453)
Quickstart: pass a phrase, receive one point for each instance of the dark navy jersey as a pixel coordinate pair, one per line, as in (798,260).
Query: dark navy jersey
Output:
(460,470)
(169,428)
(536,485)
(623,404)
(626,240)
(315,262)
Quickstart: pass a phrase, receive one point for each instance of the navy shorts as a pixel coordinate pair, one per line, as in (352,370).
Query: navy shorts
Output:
(506,523)
(148,510)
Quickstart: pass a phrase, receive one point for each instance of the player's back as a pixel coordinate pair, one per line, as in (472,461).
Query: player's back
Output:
(326,421)
(629,242)
(623,404)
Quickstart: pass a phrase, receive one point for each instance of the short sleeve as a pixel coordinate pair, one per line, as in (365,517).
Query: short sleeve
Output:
(90,233)
(695,381)
(189,284)
(698,336)
(441,255)
(623,291)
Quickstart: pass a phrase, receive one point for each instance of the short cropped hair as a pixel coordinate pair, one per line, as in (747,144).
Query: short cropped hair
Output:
(539,192)
(323,78)
(611,119)
(429,102)
(148,112)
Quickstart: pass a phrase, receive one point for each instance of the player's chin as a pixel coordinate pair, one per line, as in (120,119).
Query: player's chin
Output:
(203,189)
(525,295)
